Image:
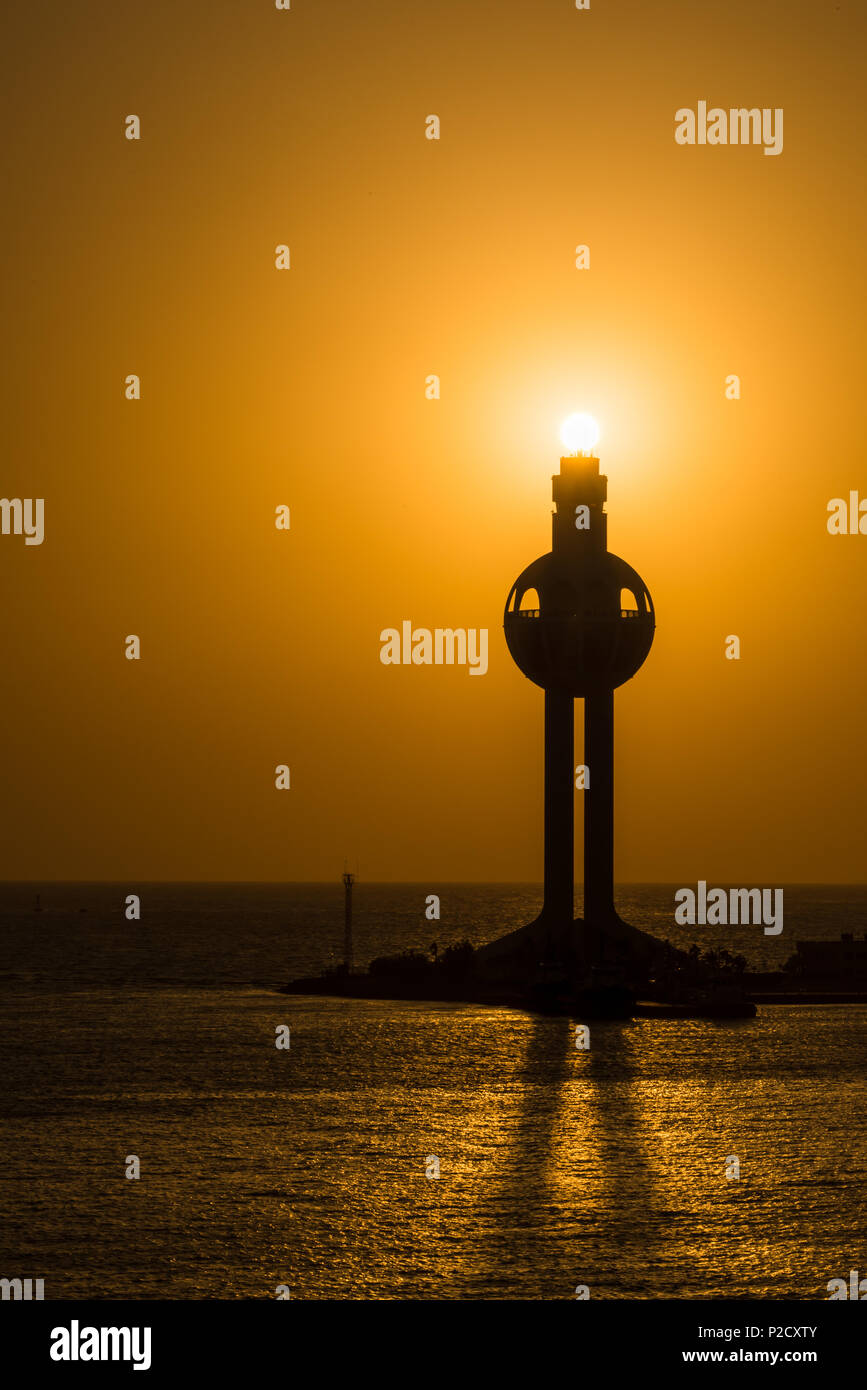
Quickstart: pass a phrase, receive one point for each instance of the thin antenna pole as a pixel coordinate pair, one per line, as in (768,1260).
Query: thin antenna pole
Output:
(348,880)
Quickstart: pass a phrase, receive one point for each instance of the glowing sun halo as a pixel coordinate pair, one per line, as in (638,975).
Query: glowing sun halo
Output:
(579,434)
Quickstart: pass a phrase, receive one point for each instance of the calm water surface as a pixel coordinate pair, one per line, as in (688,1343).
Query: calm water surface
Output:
(307,1167)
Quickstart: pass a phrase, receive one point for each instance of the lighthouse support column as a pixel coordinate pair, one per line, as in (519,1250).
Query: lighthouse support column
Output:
(559,806)
(599,807)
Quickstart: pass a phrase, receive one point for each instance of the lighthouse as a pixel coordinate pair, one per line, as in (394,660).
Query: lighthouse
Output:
(579,622)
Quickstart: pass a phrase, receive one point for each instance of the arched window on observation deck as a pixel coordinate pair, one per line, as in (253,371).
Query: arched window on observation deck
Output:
(529,604)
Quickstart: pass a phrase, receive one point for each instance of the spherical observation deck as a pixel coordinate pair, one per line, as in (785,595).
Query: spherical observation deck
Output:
(579,625)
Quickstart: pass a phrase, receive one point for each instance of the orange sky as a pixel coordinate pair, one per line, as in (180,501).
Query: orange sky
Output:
(306,387)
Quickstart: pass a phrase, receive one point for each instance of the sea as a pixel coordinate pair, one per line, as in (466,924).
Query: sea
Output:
(693,1159)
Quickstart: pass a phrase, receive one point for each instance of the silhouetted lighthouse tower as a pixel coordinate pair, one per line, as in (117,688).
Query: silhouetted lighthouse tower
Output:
(579,622)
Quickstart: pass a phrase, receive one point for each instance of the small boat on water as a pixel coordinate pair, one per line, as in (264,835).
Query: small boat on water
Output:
(723,1001)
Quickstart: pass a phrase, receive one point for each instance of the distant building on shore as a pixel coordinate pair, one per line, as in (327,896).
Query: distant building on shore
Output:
(848,957)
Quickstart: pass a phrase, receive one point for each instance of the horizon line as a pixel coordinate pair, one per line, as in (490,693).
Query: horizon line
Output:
(380,882)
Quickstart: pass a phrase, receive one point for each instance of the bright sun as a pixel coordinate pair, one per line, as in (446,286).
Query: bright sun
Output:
(579,434)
